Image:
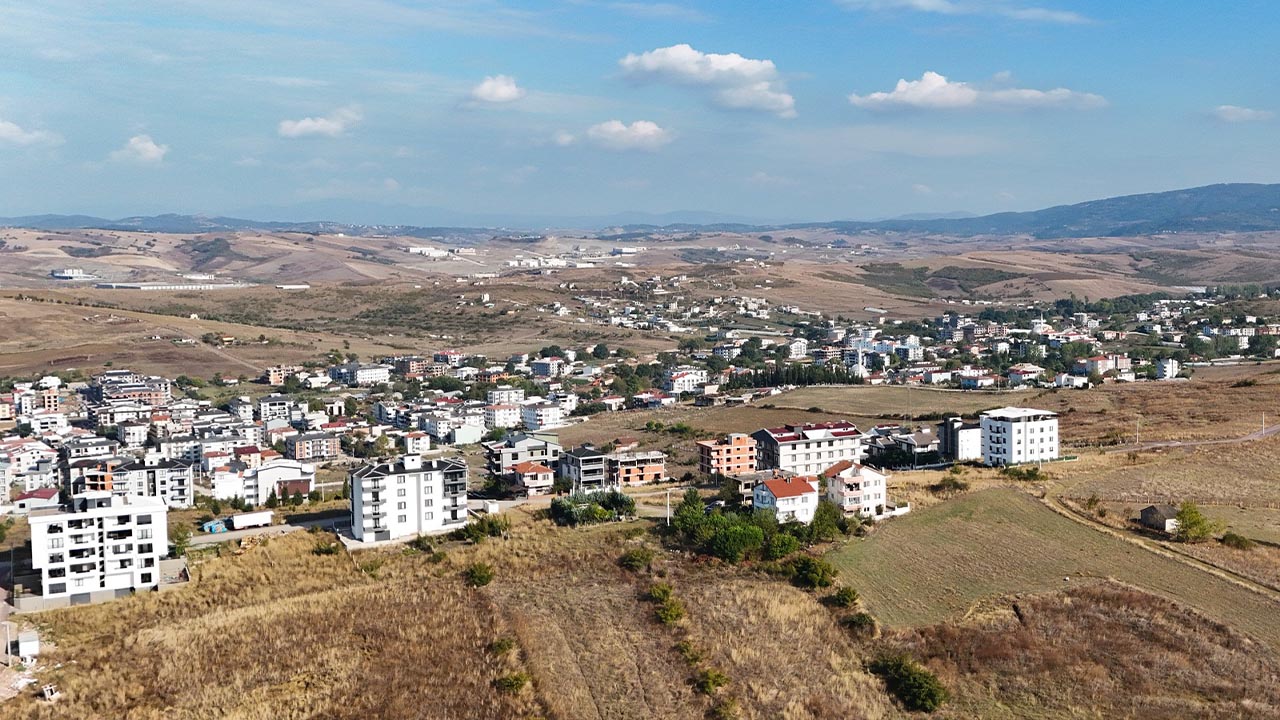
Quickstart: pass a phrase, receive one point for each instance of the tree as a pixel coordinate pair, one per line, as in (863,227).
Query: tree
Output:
(350,407)
(600,351)
(1193,526)
(180,536)
(296,499)
(272,500)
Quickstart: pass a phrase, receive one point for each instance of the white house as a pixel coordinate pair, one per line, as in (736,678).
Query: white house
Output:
(790,499)
(408,496)
(416,443)
(102,546)
(255,485)
(1014,435)
(684,379)
(1167,369)
(857,488)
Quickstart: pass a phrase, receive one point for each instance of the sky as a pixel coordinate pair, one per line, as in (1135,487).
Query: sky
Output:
(439,110)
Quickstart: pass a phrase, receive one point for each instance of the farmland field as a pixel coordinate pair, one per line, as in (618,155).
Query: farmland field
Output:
(895,401)
(936,564)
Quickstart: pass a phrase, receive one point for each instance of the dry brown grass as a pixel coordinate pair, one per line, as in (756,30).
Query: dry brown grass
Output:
(1099,651)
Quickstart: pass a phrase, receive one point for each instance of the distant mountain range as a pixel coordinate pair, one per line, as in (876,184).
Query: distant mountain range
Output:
(1236,207)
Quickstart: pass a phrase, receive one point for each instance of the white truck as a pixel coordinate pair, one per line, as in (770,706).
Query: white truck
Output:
(261,518)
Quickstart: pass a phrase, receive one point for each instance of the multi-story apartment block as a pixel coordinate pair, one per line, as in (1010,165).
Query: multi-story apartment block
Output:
(312,446)
(500,455)
(684,379)
(637,468)
(408,496)
(1019,435)
(275,407)
(541,415)
(171,481)
(550,367)
(960,441)
(452,358)
(100,547)
(732,455)
(790,499)
(355,373)
(586,468)
(505,395)
(255,484)
(808,449)
(128,385)
(503,416)
(857,488)
(277,374)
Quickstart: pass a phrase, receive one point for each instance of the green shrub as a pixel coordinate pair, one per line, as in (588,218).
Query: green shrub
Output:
(670,612)
(636,559)
(479,529)
(478,574)
(709,680)
(859,622)
(734,542)
(325,548)
(949,484)
(812,573)
(689,652)
(726,709)
(513,683)
(1237,541)
(780,546)
(660,592)
(502,646)
(844,597)
(915,687)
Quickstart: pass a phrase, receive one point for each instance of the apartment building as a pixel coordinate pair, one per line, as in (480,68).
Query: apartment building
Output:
(171,481)
(99,547)
(312,446)
(637,468)
(731,455)
(505,395)
(503,416)
(960,441)
(275,407)
(586,469)
(808,449)
(255,484)
(408,496)
(355,373)
(550,367)
(541,415)
(500,455)
(1014,435)
(857,489)
(684,379)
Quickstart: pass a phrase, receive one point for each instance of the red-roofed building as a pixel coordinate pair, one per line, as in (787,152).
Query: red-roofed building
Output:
(532,477)
(790,499)
(36,499)
(807,449)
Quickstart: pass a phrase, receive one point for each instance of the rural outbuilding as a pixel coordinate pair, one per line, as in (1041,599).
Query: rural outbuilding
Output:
(1160,517)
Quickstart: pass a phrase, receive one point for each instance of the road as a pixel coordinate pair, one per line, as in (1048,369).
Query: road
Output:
(1255,435)
(215,350)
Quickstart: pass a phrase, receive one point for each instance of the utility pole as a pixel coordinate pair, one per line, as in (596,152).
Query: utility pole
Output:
(668,507)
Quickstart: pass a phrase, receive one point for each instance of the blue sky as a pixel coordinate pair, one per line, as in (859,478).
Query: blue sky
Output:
(804,111)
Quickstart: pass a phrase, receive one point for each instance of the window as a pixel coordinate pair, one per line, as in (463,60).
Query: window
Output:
(400,492)
(428,502)
(55,542)
(78,582)
(146,578)
(144,534)
(401,506)
(402,518)
(56,588)
(144,520)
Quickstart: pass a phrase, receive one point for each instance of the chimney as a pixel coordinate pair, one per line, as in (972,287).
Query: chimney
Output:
(412,462)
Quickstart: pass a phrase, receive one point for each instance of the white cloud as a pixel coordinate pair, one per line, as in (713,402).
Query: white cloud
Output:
(735,82)
(1237,114)
(999,8)
(497,89)
(331,125)
(935,92)
(921,189)
(14,134)
(141,149)
(563,138)
(639,135)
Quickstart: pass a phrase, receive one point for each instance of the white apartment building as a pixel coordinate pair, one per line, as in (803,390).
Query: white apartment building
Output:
(172,481)
(790,499)
(102,546)
(505,395)
(255,484)
(684,379)
(808,449)
(502,416)
(355,373)
(541,415)
(857,489)
(408,496)
(1014,435)
(1167,369)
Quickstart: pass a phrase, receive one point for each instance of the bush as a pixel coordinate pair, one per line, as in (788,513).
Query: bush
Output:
(325,548)
(949,484)
(709,680)
(512,684)
(488,526)
(726,709)
(734,542)
(591,508)
(1237,541)
(812,573)
(660,592)
(859,622)
(915,687)
(670,611)
(844,597)
(781,546)
(502,646)
(636,559)
(478,574)
(689,652)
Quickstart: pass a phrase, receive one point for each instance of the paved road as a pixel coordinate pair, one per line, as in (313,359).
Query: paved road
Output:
(1255,435)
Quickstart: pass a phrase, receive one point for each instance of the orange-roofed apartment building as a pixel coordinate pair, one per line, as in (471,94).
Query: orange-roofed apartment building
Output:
(535,478)
(732,455)
(790,499)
